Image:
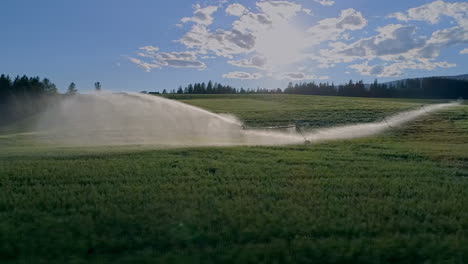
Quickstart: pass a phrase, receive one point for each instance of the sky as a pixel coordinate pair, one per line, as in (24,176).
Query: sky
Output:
(151,45)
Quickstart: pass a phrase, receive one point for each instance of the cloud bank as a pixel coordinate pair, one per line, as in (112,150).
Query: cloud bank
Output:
(265,40)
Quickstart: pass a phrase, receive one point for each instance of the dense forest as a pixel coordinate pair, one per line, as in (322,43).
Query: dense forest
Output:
(432,87)
(23,96)
(213,88)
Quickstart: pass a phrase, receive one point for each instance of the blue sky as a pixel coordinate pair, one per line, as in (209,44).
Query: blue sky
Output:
(151,45)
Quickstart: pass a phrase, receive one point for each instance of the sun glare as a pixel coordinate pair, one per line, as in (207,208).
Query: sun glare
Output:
(281,45)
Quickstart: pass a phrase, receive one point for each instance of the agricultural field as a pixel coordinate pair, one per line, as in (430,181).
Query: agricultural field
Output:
(308,111)
(400,196)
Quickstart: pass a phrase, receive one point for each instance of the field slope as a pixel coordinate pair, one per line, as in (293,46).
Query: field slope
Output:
(397,197)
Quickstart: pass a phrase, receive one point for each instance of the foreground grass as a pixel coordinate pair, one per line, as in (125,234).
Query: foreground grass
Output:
(398,197)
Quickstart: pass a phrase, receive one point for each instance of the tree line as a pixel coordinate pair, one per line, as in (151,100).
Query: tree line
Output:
(23,96)
(213,88)
(431,87)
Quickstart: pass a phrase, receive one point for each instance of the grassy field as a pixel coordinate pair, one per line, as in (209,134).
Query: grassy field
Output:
(308,111)
(398,197)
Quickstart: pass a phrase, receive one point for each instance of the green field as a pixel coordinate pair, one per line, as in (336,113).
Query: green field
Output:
(399,197)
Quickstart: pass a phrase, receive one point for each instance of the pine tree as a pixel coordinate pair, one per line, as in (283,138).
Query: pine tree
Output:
(180,91)
(49,87)
(97,86)
(209,88)
(72,89)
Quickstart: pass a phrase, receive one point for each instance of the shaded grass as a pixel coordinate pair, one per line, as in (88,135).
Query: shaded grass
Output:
(397,197)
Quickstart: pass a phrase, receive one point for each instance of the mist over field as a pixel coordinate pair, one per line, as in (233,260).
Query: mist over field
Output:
(131,118)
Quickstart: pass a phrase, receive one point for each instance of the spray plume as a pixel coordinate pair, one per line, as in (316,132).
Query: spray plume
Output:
(131,118)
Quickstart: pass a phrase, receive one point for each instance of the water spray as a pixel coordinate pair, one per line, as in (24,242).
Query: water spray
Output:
(385,120)
(131,118)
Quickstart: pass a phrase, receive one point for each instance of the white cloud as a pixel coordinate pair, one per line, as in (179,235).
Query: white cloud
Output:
(282,9)
(325,2)
(150,49)
(432,12)
(307,11)
(296,76)
(151,58)
(145,65)
(202,16)
(334,28)
(391,40)
(398,69)
(225,43)
(236,10)
(267,37)
(300,76)
(399,46)
(444,38)
(258,62)
(242,75)
(267,33)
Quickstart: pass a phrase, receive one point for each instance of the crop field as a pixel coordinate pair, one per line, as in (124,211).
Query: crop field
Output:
(400,197)
(308,111)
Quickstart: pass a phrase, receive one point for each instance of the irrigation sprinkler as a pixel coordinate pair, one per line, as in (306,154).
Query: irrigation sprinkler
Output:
(388,124)
(297,128)
(244,127)
(424,108)
(272,127)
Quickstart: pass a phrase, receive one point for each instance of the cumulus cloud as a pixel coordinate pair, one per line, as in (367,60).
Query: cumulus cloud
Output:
(242,75)
(397,69)
(149,49)
(444,38)
(307,11)
(400,46)
(325,2)
(225,43)
(267,32)
(299,76)
(258,62)
(296,76)
(236,10)
(144,65)
(334,28)
(283,9)
(150,58)
(432,12)
(391,40)
(202,16)
(266,36)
